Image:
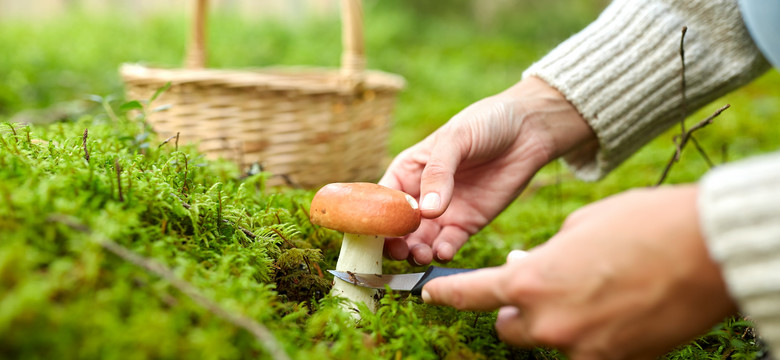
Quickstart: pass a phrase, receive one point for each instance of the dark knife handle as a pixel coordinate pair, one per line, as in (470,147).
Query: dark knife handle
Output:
(434,272)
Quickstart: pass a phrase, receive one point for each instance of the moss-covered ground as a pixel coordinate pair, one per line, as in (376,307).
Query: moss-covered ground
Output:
(117,244)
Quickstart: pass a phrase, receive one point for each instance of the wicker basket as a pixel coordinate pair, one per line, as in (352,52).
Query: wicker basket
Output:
(307,126)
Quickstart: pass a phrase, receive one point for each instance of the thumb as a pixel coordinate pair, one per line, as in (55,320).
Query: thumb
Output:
(438,176)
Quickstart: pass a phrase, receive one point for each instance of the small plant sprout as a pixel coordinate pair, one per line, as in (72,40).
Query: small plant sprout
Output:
(366,213)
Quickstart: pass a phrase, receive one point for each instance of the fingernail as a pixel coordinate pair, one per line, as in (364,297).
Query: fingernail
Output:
(415,261)
(431,201)
(426,297)
(516,255)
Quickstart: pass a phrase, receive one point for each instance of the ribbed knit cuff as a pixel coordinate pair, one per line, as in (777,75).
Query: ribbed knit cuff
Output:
(623,72)
(739,210)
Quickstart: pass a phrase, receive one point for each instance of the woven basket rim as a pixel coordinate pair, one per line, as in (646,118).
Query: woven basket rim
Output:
(313,79)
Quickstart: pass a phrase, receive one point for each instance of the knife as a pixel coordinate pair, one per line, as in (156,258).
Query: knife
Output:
(404,282)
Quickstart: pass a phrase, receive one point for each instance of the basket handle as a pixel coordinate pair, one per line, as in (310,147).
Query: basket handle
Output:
(196,49)
(353,60)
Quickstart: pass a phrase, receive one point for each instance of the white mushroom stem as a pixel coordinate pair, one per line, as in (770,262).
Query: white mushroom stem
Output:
(359,254)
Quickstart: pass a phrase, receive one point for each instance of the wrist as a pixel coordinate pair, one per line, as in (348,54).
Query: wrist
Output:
(551,121)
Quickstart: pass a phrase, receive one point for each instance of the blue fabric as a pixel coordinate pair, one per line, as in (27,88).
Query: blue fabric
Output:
(762,18)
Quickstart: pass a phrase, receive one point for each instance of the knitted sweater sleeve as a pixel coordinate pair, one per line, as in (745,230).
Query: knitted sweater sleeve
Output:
(623,74)
(739,210)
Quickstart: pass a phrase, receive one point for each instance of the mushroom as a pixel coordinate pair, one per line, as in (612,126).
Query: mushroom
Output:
(366,213)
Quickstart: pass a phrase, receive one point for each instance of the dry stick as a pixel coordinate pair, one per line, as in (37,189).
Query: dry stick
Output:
(683,95)
(684,140)
(260,332)
(702,152)
(166,141)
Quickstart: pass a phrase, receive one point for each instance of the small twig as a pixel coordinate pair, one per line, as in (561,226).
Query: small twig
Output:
(118,169)
(685,137)
(177,142)
(84,143)
(702,152)
(308,266)
(279,233)
(683,95)
(260,332)
(319,271)
(13,130)
(167,140)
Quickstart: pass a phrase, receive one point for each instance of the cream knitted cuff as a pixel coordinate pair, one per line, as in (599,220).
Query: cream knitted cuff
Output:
(622,72)
(739,210)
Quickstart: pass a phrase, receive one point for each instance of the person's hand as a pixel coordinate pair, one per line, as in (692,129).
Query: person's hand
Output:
(470,169)
(628,277)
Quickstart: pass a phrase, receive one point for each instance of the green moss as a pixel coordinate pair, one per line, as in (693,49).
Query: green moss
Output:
(250,248)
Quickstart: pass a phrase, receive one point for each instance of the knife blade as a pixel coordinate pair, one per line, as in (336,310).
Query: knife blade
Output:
(413,282)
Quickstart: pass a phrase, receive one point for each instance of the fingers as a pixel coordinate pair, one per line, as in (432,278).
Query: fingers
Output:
(432,242)
(396,249)
(480,290)
(420,254)
(438,176)
(511,327)
(448,242)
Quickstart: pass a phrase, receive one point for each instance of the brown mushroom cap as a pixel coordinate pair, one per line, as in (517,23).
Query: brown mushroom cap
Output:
(365,208)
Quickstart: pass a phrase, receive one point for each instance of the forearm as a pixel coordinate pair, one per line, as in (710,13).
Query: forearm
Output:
(623,72)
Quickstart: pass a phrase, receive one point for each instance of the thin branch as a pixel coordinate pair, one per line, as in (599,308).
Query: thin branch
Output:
(684,105)
(279,233)
(685,137)
(683,95)
(167,140)
(260,332)
(702,152)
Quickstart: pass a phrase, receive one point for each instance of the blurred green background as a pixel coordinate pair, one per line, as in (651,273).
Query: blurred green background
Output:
(450,54)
